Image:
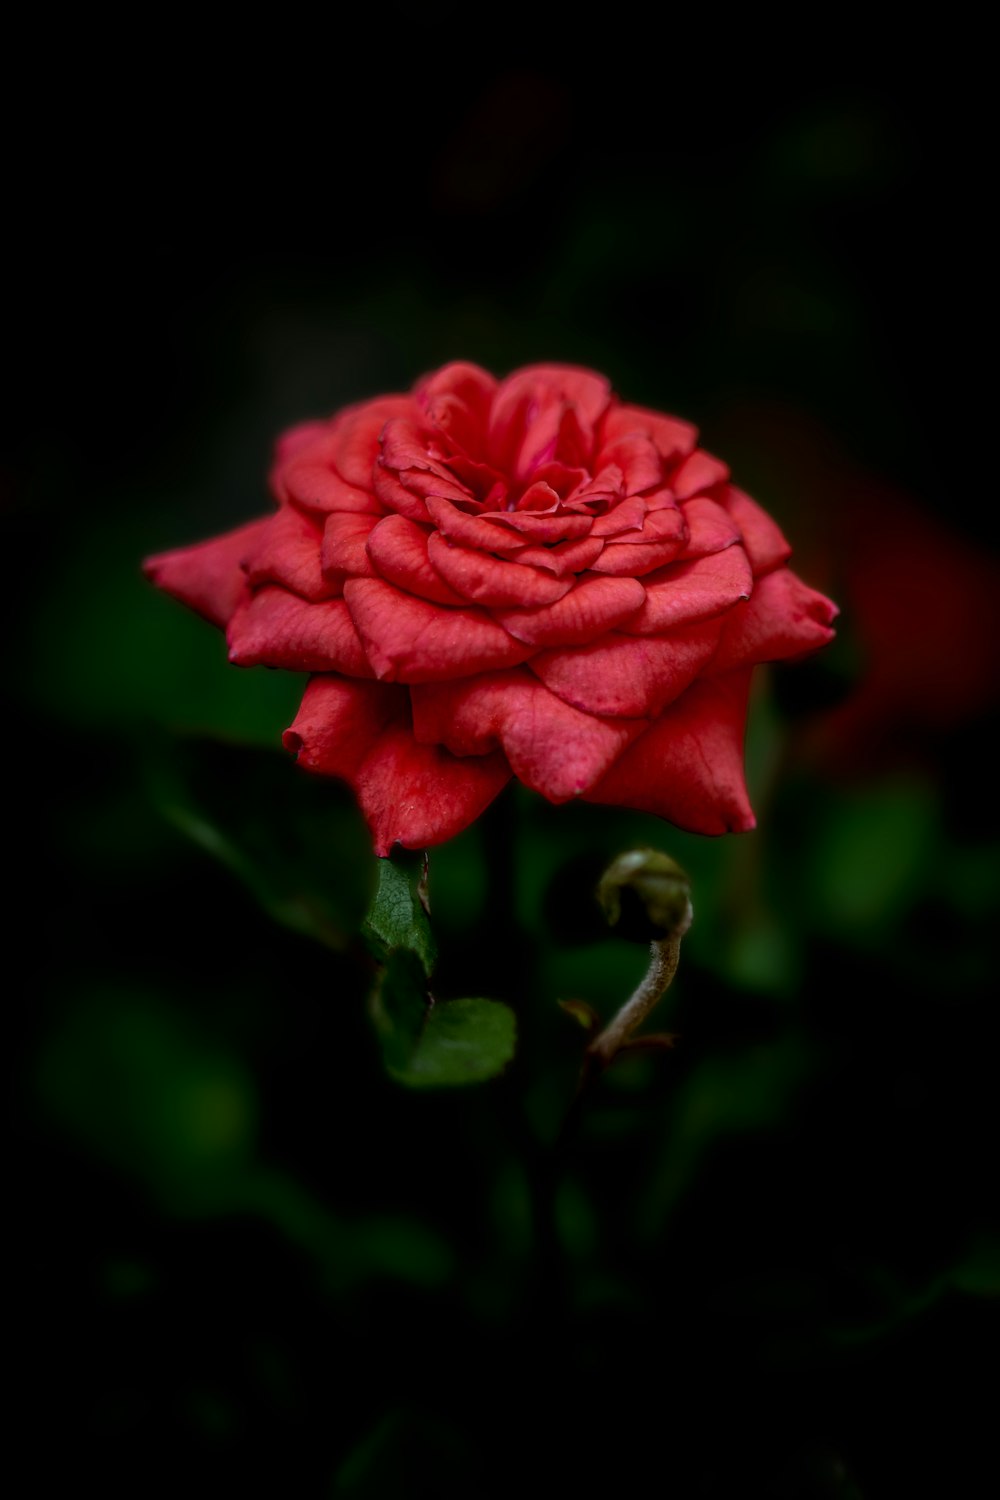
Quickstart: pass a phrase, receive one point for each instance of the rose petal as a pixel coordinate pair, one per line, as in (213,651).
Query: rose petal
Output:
(355,434)
(553,748)
(411,640)
(398,551)
(689,591)
(710,528)
(688,766)
(394,496)
(277,629)
(698,472)
(671,436)
(762,539)
(208,577)
(456,400)
(783,618)
(315,487)
(627,516)
(472,531)
(564,558)
(338,721)
(563,527)
(527,420)
(539,499)
(415,795)
(485,579)
(628,676)
(627,559)
(638,458)
(593,608)
(287,551)
(344,541)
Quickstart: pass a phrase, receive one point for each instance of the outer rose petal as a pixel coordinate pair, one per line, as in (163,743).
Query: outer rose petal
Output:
(784,618)
(315,487)
(551,747)
(277,629)
(412,794)
(699,472)
(762,538)
(625,676)
(355,433)
(672,436)
(688,767)
(288,552)
(710,527)
(208,577)
(410,640)
(689,591)
(594,607)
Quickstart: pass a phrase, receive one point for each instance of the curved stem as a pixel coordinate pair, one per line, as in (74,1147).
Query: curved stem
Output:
(663,960)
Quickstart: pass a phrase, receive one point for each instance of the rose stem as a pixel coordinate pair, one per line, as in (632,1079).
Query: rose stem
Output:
(664,955)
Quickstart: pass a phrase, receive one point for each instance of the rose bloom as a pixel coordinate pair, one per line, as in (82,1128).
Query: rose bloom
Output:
(521,577)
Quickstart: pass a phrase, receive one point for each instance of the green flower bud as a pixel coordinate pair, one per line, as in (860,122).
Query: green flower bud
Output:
(646,896)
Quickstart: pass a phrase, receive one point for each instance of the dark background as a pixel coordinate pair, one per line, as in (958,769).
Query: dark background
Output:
(245,1259)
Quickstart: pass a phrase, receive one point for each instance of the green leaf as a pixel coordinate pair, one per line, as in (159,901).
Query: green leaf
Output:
(397,917)
(462,1041)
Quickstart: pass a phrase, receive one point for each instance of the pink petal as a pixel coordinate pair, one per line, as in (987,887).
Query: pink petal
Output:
(344,539)
(564,558)
(407,451)
(456,400)
(485,579)
(551,747)
(355,434)
(663,538)
(539,499)
(421,795)
(671,436)
(628,676)
(208,577)
(564,527)
(394,496)
(593,608)
(638,458)
(415,795)
(315,487)
(710,527)
(472,531)
(339,720)
(765,546)
(698,472)
(411,640)
(288,552)
(529,411)
(689,591)
(627,516)
(783,618)
(277,629)
(398,551)
(688,767)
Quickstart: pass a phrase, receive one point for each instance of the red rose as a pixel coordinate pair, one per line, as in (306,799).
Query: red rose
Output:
(521,576)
